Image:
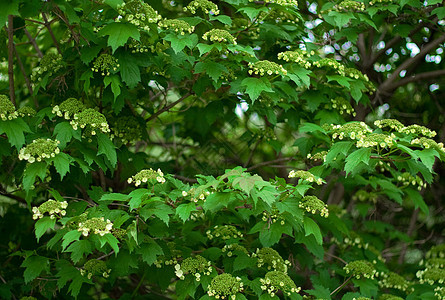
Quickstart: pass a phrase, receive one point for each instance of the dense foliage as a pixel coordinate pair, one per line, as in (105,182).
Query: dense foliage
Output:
(231,149)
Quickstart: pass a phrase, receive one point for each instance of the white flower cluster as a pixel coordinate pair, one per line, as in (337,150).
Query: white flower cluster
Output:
(95,267)
(138,13)
(419,130)
(146,175)
(219,35)
(225,286)
(275,281)
(281,2)
(376,139)
(231,248)
(39,149)
(298,56)
(428,143)
(68,108)
(312,205)
(353,130)
(206,6)
(265,67)
(96,226)
(305,175)
(196,194)
(52,207)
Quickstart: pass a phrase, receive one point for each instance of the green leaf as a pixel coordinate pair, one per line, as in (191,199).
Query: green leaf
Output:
(184,210)
(42,225)
(226,20)
(149,251)
(254,87)
(32,171)
(119,33)
(427,157)
(114,3)
(9,7)
(343,81)
(341,19)
(211,68)
(129,69)
(310,127)
(216,201)
(440,12)
(62,162)
(136,198)
(69,237)
(355,158)
(87,54)
(252,12)
(336,149)
(15,129)
(68,272)
(110,240)
(107,148)
(34,265)
(78,249)
(243,261)
(64,132)
(115,82)
(310,227)
(114,197)
(179,42)
(418,201)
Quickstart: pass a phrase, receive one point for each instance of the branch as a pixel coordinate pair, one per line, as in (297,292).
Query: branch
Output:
(33,42)
(27,81)
(11,59)
(418,77)
(265,163)
(167,107)
(51,33)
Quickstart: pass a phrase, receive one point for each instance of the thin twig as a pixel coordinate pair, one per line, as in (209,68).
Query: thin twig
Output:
(341,286)
(167,107)
(27,81)
(265,163)
(51,33)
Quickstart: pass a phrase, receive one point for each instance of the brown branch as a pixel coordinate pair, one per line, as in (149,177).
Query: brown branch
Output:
(11,58)
(265,163)
(249,159)
(418,77)
(389,84)
(33,42)
(167,107)
(27,81)
(51,33)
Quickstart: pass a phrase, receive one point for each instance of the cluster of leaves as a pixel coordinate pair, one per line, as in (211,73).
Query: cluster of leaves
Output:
(121,153)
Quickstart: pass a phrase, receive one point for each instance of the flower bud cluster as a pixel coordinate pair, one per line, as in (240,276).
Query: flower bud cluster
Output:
(318,156)
(429,143)
(96,226)
(418,130)
(104,63)
(373,2)
(360,269)
(95,267)
(436,262)
(50,63)
(270,258)
(273,216)
(7,109)
(275,281)
(439,292)
(39,149)
(140,46)
(177,26)
(352,130)
(205,5)
(342,106)
(389,297)
(355,240)
(170,257)
(350,5)
(297,56)
(196,194)
(68,108)
(231,248)
(305,175)
(431,275)
(225,232)
(361,298)
(127,129)
(225,286)
(281,2)
(147,175)
(314,205)
(376,140)
(26,111)
(138,13)
(52,207)
(436,251)
(266,67)
(394,281)
(219,36)
(331,64)
(92,120)
(195,266)
(407,179)
(364,196)
(391,123)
